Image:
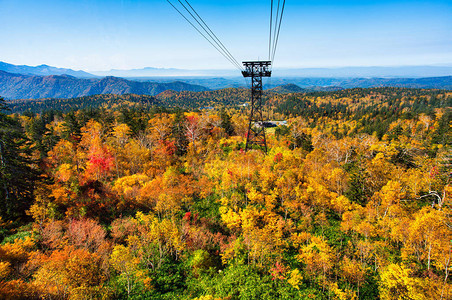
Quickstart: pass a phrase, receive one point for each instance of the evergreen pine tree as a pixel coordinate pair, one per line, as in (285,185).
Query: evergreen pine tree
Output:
(17,177)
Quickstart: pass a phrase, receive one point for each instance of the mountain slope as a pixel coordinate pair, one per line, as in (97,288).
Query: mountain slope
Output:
(16,86)
(287,88)
(95,101)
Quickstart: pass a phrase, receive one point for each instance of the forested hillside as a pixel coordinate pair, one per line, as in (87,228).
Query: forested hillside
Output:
(186,100)
(390,101)
(82,103)
(151,198)
(43,70)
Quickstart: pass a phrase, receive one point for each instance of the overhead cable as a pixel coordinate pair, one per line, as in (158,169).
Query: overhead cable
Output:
(212,35)
(276,27)
(216,43)
(279,29)
(270,37)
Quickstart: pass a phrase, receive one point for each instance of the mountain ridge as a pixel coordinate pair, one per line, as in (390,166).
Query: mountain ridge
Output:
(42,70)
(17,86)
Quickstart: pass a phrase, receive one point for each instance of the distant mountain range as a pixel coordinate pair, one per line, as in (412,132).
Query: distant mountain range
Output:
(367,72)
(17,86)
(444,82)
(318,83)
(42,70)
(150,72)
(25,82)
(335,84)
(385,72)
(340,72)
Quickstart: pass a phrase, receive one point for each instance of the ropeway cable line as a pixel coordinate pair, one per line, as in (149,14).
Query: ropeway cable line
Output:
(212,34)
(196,21)
(205,31)
(274,33)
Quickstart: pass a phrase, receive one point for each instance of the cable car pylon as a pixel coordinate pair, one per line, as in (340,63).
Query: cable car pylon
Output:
(256,126)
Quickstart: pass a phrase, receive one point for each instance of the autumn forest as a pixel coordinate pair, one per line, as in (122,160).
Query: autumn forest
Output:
(140,197)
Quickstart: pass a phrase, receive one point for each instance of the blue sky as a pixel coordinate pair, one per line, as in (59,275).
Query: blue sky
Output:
(124,34)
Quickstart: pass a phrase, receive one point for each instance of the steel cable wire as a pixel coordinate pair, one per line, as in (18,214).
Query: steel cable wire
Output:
(279,29)
(217,47)
(214,35)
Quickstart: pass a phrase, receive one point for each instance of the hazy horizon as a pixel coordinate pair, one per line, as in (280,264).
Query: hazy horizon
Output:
(145,72)
(231,68)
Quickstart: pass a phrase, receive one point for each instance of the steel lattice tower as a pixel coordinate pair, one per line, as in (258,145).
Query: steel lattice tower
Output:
(256,129)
